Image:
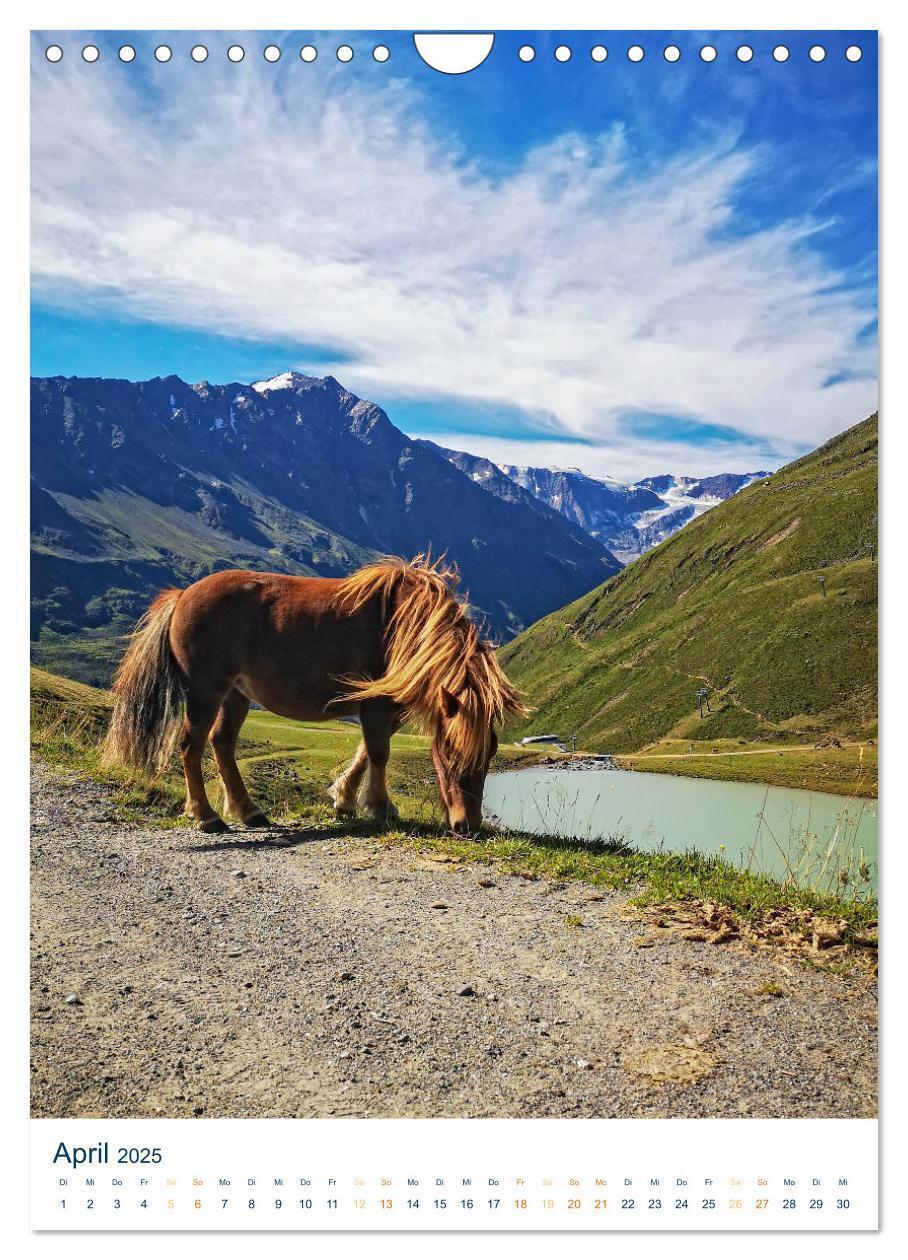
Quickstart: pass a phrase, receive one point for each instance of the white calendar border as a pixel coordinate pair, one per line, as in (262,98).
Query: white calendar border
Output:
(397,14)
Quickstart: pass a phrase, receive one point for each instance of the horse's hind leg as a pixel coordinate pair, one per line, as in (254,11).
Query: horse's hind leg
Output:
(345,788)
(200,714)
(224,734)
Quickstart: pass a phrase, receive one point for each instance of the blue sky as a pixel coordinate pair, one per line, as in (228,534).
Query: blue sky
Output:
(620,266)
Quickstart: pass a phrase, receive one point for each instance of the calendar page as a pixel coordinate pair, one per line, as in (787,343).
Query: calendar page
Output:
(453,630)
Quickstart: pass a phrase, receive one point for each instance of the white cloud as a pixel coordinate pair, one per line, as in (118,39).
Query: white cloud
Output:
(577,287)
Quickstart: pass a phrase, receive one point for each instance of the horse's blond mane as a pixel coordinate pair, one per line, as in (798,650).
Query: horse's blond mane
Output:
(438,668)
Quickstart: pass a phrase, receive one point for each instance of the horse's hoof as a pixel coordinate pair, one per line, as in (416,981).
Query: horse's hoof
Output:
(258,819)
(387,812)
(343,807)
(213,826)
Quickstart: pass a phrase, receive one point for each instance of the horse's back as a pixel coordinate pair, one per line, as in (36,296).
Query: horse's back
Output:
(234,604)
(275,636)
(251,586)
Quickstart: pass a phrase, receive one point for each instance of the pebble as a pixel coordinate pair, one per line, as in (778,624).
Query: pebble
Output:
(73,999)
(466,991)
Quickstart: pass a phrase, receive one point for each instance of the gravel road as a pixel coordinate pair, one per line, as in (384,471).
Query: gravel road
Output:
(315,973)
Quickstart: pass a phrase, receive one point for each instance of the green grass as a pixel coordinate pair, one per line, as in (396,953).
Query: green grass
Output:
(87,654)
(289,764)
(846,771)
(733,603)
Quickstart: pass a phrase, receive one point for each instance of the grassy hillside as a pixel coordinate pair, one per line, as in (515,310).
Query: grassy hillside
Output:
(734,603)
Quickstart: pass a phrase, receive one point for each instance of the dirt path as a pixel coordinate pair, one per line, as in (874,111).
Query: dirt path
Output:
(316,973)
(740,752)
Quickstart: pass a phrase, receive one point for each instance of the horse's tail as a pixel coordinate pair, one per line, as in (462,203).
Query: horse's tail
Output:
(149,695)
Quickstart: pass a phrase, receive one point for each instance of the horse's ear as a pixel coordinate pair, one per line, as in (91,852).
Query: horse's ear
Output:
(449,703)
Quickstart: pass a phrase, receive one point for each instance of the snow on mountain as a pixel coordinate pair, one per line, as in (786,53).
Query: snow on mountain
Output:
(627,519)
(284,380)
(684,499)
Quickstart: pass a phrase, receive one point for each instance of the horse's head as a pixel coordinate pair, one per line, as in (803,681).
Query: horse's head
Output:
(439,673)
(464,744)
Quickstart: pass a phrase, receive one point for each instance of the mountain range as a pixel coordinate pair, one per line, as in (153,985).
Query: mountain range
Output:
(627,519)
(140,485)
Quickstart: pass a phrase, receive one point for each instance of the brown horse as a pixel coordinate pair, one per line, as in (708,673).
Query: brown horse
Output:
(390,643)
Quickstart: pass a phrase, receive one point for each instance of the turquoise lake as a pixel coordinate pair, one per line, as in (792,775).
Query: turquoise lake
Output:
(815,839)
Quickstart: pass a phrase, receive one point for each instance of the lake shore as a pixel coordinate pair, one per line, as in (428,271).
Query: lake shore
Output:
(841,769)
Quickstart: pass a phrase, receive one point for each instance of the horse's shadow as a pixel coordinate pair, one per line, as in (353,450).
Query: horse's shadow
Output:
(274,838)
(290,837)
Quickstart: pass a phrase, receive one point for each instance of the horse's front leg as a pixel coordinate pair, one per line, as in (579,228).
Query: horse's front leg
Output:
(379,722)
(344,791)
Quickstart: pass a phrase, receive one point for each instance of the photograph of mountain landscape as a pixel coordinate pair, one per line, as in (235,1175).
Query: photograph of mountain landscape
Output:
(454,576)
